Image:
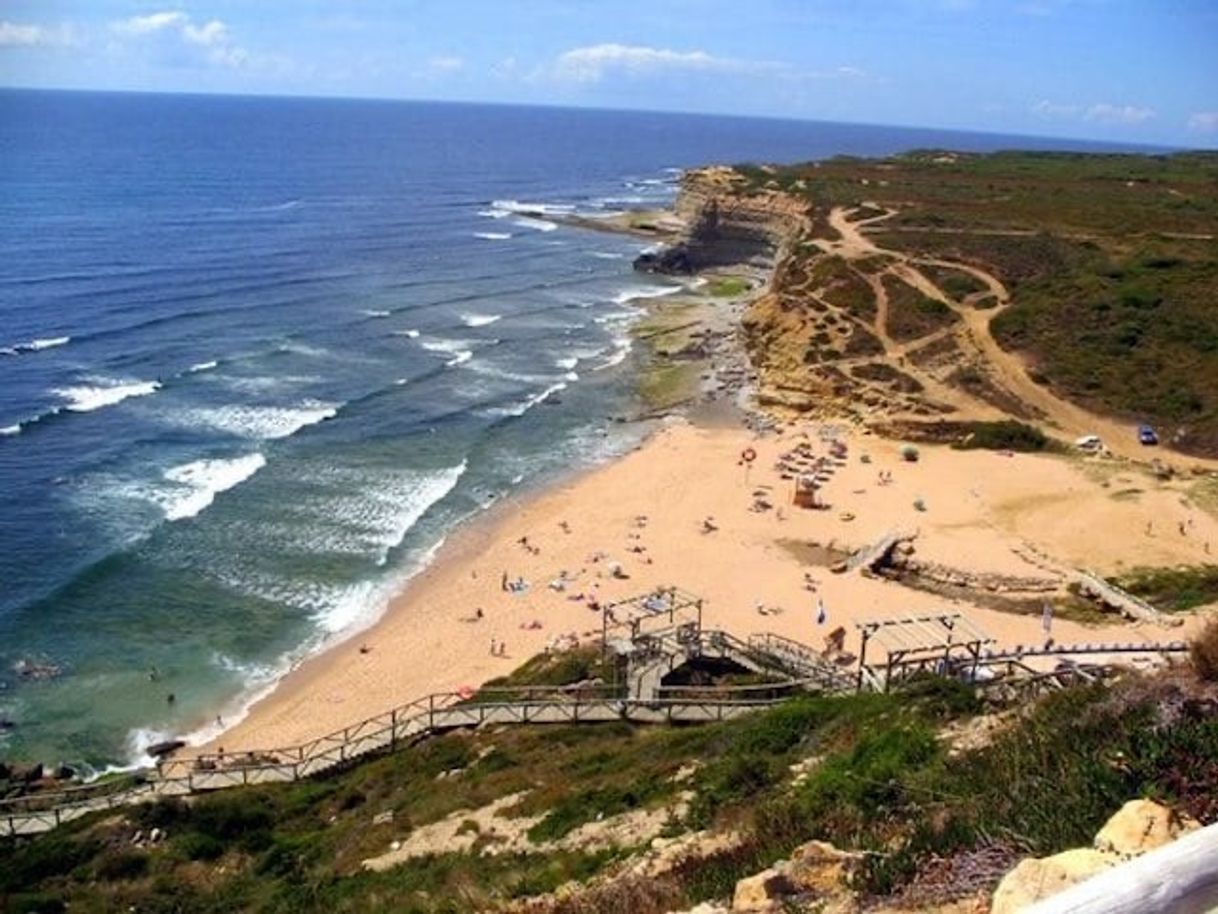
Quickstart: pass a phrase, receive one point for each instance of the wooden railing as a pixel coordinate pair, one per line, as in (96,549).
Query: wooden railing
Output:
(410,722)
(399,727)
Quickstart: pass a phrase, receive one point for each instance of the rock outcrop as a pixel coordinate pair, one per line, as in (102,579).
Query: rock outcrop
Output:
(1139,826)
(817,875)
(725,225)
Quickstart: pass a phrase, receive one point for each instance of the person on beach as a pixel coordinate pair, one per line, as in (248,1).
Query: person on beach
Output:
(503,581)
(494,643)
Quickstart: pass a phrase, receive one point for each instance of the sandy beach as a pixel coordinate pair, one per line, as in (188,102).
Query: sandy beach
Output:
(648,513)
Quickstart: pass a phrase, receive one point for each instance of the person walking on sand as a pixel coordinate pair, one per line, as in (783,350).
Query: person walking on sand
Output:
(494,643)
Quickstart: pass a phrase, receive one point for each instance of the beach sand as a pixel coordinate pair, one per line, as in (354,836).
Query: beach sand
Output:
(980,508)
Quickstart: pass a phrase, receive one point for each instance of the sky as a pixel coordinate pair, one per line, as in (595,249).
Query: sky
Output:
(1131,72)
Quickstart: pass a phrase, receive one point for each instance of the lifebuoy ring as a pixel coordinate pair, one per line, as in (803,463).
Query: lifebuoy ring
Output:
(748,455)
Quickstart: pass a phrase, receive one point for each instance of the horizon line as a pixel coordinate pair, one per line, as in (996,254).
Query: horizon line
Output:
(1115,144)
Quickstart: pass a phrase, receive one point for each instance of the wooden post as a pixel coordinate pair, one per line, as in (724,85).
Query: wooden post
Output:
(858,686)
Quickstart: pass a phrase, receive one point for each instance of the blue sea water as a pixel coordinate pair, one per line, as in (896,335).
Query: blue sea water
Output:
(258,356)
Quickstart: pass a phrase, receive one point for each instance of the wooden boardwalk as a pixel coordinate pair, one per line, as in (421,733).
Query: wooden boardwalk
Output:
(36,813)
(407,724)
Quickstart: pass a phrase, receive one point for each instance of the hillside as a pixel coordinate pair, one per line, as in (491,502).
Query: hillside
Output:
(943,793)
(983,286)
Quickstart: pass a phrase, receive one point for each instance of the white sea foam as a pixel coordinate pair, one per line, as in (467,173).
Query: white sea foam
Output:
(11,429)
(37,345)
(257,422)
(629,295)
(412,334)
(104,392)
(621,349)
(439,344)
(197,484)
(202,366)
(567,362)
(547,209)
(460,358)
(374,312)
(493,236)
(541,225)
(616,317)
(297,348)
(479,320)
(528,403)
(608,255)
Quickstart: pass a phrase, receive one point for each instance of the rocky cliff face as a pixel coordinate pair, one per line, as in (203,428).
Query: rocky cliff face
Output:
(725,225)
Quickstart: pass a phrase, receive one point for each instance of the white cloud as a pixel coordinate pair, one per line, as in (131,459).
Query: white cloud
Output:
(16,35)
(1046,108)
(595,63)
(1206,121)
(1102,113)
(1118,114)
(446,64)
(591,64)
(153,22)
(212,37)
(208,35)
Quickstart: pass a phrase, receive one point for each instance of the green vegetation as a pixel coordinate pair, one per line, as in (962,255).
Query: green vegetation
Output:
(877,776)
(843,286)
(911,314)
(1006,435)
(728,286)
(1173,589)
(954,283)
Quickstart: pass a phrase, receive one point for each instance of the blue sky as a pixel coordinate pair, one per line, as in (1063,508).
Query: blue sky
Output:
(1102,69)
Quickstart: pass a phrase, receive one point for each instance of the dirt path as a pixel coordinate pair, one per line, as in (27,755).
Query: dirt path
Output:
(1008,369)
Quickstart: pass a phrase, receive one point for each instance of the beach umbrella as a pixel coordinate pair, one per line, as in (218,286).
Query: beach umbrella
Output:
(821,615)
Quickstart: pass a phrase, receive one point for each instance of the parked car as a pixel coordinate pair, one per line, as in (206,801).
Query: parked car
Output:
(1089,443)
(1147,435)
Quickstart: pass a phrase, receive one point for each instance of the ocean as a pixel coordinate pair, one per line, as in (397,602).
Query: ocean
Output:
(259,356)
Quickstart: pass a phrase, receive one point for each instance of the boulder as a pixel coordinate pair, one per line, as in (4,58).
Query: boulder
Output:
(761,891)
(1140,826)
(819,867)
(1037,878)
(27,774)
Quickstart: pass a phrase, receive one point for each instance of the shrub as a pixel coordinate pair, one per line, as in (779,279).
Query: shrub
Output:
(1007,435)
(195,846)
(122,865)
(1204,651)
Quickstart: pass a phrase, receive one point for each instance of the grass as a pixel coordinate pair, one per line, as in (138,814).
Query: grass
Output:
(1173,589)
(883,781)
(728,286)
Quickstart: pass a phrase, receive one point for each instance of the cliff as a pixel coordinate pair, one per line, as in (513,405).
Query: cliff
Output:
(727,224)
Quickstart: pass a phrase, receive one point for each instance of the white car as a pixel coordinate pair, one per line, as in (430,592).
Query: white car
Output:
(1089,443)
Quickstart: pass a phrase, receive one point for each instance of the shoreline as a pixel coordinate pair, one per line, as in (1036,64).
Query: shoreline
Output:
(435,633)
(751,570)
(461,541)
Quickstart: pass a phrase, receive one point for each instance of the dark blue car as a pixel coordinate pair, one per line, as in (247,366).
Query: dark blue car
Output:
(1147,435)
